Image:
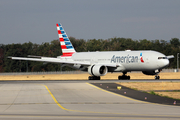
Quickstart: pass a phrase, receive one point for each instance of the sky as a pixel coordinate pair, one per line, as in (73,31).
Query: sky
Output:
(35,21)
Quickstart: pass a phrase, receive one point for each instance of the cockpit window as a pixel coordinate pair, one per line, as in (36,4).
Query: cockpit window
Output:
(162,57)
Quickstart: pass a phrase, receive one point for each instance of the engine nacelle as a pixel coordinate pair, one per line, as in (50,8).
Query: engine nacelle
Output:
(97,70)
(154,72)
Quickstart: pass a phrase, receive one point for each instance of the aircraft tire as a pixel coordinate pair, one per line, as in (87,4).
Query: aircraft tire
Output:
(94,78)
(119,77)
(157,77)
(98,78)
(123,77)
(90,77)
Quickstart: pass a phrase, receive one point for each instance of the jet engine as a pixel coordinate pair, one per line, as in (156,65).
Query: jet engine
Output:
(97,70)
(154,72)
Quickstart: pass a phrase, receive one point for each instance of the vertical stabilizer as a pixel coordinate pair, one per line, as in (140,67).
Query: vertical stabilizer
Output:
(66,46)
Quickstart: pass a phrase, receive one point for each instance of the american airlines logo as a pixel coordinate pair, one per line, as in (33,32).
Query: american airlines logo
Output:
(124,59)
(141,58)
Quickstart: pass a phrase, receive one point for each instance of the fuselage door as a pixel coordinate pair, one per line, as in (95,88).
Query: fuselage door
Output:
(147,59)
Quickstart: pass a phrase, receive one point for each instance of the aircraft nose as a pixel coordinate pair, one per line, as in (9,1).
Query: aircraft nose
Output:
(166,62)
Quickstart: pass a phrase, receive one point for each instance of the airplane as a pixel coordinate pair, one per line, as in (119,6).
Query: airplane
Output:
(99,63)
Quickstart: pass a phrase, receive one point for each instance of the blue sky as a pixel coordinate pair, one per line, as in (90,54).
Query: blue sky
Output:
(35,20)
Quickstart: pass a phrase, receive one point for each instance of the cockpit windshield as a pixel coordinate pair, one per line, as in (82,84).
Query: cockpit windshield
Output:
(162,57)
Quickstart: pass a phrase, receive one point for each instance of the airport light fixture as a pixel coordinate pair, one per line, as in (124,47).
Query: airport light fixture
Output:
(177,62)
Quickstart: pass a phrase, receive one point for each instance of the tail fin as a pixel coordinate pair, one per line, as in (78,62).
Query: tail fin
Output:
(66,46)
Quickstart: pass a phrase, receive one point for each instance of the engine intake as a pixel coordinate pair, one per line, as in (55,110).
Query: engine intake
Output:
(97,70)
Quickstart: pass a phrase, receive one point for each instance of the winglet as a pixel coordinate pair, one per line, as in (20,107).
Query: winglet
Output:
(66,46)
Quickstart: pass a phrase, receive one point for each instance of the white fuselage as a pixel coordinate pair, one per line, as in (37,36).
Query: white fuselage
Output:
(124,60)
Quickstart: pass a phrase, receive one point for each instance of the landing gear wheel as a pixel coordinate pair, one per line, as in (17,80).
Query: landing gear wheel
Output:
(157,77)
(94,78)
(124,77)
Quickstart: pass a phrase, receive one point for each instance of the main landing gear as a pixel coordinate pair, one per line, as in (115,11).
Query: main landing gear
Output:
(157,77)
(94,78)
(124,76)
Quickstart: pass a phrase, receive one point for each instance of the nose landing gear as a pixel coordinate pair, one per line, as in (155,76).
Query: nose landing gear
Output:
(157,77)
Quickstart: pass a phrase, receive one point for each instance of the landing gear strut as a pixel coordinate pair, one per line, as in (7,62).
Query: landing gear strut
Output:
(157,77)
(94,78)
(124,76)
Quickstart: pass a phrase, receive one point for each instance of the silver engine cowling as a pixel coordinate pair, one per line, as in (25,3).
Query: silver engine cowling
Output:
(97,70)
(154,72)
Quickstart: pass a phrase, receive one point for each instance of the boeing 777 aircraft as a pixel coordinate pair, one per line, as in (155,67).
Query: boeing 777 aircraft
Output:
(99,63)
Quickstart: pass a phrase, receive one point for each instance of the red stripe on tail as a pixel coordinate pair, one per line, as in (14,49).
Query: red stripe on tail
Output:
(61,39)
(59,32)
(63,47)
(67,54)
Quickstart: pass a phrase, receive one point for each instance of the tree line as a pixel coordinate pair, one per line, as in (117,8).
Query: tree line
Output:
(53,49)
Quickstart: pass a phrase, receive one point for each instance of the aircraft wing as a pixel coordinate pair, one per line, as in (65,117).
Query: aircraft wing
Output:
(58,60)
(50,60)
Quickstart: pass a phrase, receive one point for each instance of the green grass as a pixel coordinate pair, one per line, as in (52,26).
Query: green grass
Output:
(176,90)
(153,93)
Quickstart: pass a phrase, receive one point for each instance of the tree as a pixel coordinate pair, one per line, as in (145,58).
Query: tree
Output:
(1,57)
(53,49)
(175,42)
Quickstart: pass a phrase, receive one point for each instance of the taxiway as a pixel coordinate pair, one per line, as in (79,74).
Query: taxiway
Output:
(74,100)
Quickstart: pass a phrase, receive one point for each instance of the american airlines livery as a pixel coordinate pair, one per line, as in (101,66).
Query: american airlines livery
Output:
(99,63)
